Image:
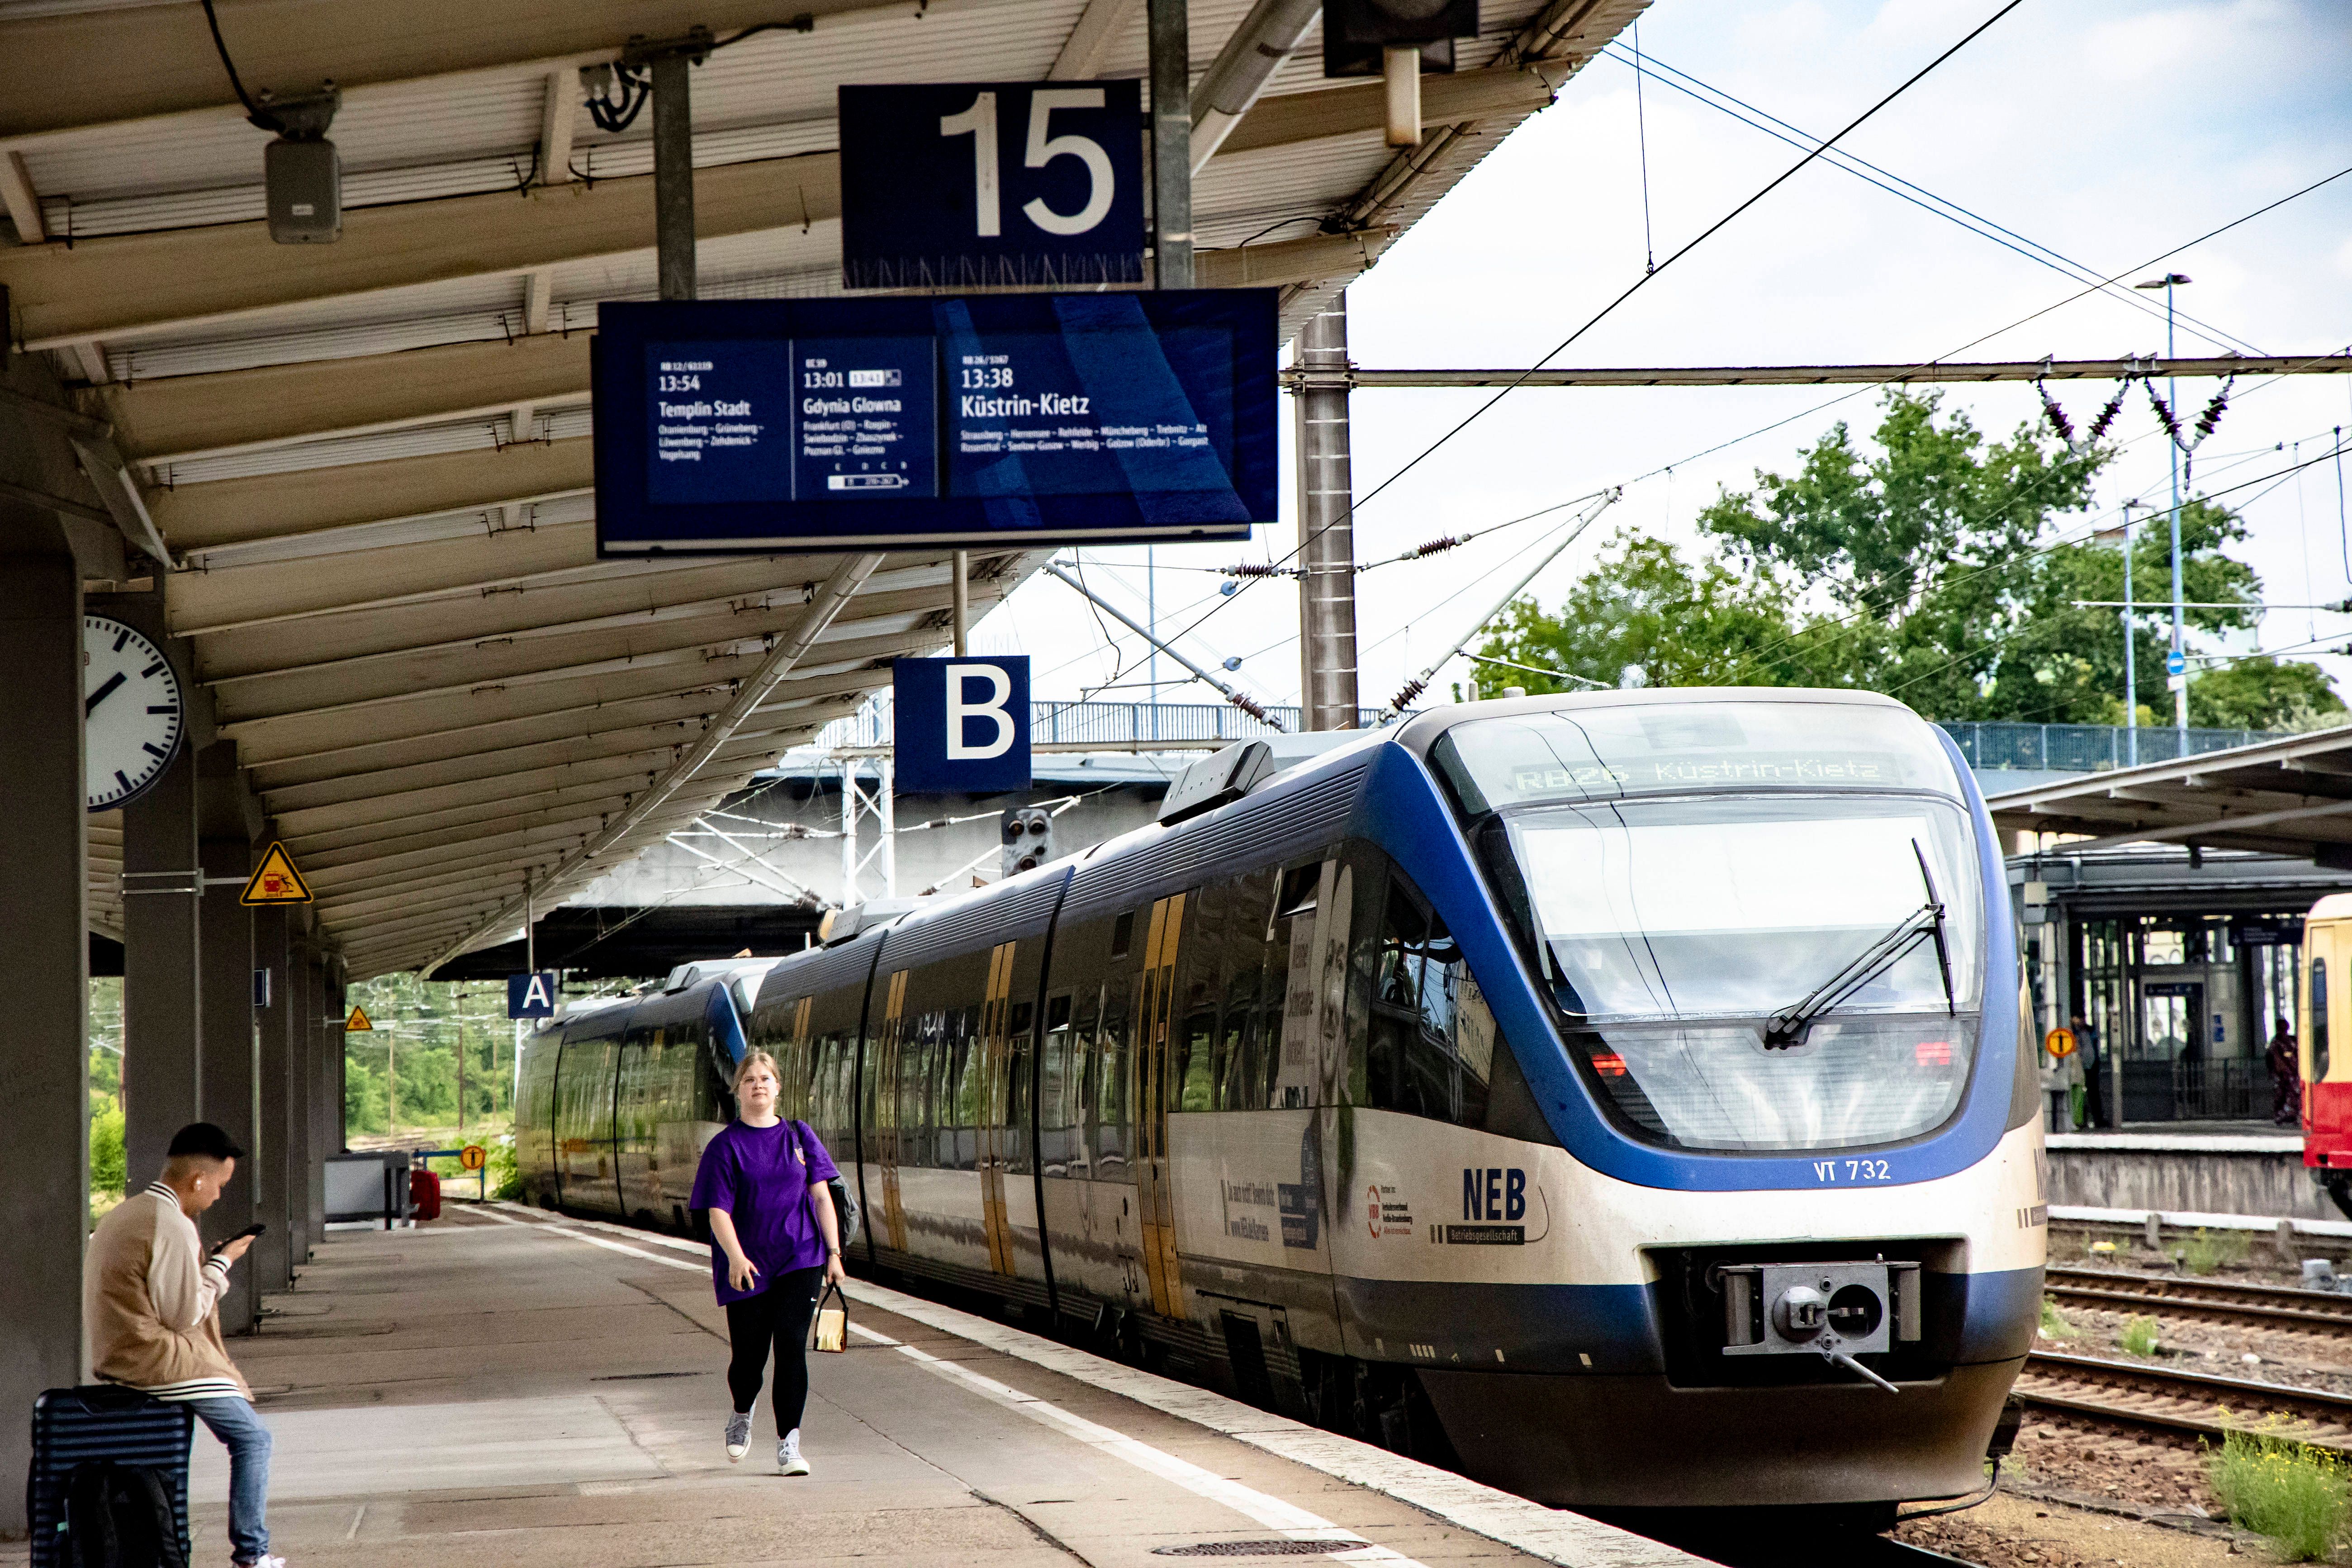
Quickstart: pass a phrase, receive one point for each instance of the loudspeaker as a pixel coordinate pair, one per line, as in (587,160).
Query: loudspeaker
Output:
(305,182)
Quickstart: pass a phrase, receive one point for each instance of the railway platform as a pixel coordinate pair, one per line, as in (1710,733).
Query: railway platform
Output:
(501,1386)
(2204,1168)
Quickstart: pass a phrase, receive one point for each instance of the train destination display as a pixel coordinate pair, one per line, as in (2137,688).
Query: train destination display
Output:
(776,426)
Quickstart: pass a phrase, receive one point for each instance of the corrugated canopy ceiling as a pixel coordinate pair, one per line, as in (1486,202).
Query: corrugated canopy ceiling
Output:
(370,461)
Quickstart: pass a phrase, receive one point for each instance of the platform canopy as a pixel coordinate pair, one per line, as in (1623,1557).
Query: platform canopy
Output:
(368,461)
(2290,796)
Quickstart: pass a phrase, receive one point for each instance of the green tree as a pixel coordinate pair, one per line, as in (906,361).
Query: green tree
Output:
(1919,564)
(1647,615)
(2261,693)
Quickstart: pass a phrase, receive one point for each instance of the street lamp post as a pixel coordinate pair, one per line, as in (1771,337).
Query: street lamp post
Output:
(2131,668)
(2176,669)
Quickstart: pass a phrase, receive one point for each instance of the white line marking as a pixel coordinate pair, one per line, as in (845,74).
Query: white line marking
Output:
(1553,1535)
(1294,1522)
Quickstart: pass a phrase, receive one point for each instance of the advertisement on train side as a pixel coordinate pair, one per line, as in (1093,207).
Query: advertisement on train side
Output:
(770,426)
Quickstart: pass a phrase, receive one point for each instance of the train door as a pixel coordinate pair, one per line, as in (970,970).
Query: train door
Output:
(994,1128)
(2327,1104)
(584,1169)
(1155,1018)
(883,1102)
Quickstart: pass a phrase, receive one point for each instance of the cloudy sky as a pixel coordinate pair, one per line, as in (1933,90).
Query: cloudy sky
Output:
(2109,133)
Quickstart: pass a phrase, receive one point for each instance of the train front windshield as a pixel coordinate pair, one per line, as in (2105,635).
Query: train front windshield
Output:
(1761,925)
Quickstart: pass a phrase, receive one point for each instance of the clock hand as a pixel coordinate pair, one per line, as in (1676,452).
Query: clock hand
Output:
(102,693)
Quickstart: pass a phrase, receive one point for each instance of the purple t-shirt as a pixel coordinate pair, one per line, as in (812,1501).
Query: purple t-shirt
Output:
(761,1176)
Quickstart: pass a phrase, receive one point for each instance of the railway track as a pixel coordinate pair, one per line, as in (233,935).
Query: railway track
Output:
(2202,1301)
(2198,1404)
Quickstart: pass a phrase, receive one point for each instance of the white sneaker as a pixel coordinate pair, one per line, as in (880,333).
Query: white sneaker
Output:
(739,1435)
(788,1454)
(263,1563)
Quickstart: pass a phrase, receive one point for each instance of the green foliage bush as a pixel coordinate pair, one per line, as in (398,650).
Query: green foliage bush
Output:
(107,1172)
(2293,1494)
(506,1169)
(2139,1337)
(2055,1323)
(2203,1254)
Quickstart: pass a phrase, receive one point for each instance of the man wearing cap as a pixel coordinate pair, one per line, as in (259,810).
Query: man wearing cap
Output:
(152,1300)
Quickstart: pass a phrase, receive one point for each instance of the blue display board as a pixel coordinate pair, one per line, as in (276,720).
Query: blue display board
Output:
(959,726)
(765,427)
(979,184)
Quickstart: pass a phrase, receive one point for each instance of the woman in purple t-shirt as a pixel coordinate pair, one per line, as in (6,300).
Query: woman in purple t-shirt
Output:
(763,1183)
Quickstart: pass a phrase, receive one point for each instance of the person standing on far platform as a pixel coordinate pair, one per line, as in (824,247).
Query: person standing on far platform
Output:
(152,1301)
(2285,1061)
(763,1183)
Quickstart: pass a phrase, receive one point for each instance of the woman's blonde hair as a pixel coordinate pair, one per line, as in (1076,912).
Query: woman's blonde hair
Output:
(756,1057)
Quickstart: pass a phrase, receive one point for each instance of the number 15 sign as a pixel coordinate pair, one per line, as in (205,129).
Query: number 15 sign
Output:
(991,184)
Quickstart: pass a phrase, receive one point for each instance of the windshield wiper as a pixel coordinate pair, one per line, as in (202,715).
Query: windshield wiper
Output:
(1787,1027)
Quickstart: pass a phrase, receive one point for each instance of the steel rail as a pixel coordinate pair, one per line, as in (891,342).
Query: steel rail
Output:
(2133,1393)
(2210,1300)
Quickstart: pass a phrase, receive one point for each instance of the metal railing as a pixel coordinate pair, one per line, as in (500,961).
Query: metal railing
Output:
(2087,748)
(2050,748)
(2227,1089)
(1106,724)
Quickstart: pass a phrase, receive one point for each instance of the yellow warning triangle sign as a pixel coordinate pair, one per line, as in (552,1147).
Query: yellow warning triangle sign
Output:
(276,881)
(358,1024)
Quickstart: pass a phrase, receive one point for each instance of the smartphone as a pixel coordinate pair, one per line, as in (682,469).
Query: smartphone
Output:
(254,1230)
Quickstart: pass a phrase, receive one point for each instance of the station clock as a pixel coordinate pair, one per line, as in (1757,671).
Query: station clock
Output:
(133,712)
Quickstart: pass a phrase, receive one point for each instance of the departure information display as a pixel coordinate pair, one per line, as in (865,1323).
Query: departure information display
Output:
(1028,419)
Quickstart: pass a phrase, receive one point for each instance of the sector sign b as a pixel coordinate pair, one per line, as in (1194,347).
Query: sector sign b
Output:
(975,184)
(961,726)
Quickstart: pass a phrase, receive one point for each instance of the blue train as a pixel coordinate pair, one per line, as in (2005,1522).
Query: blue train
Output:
(1618,1095)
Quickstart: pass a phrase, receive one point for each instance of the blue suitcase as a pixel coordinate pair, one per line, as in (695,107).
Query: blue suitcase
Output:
(101,1421)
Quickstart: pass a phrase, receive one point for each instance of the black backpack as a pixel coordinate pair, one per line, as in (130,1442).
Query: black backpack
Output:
(120,1516)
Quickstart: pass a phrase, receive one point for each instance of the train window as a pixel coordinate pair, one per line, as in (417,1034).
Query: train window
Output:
(1608,752)
(1113,1057)
(1298,886)
(1122,934)
(1191,1078)
(2318,1020)
(1429,1046)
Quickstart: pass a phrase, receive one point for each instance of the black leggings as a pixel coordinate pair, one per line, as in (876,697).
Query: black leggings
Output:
(778,1315)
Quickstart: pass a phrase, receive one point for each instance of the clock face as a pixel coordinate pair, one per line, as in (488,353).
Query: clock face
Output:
(133,715)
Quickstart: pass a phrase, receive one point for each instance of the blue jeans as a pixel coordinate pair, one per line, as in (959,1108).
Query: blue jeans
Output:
(232,1421)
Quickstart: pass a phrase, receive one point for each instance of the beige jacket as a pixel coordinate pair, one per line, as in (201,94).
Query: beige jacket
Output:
(150,1302)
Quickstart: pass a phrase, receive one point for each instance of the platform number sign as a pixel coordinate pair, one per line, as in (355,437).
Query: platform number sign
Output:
(531,995)
(980,185)
(961,726)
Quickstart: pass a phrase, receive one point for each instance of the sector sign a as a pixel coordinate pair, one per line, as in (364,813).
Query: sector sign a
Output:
(1021,420)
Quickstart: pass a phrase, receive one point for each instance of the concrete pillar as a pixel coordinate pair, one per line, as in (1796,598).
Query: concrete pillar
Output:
(43,965)
(276,1176)
(230,1049)
(162,1078)
(302,1036)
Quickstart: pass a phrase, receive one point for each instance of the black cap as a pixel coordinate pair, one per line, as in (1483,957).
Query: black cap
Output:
(205,1140)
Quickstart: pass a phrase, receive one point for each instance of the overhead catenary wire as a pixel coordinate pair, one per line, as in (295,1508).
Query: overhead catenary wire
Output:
(1350,510)
(1976,223)
(1420,683)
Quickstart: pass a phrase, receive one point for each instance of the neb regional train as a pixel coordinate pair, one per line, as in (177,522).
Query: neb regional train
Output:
(1618,1095)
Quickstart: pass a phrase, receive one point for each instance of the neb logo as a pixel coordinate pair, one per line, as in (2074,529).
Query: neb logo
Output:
(1495,1193)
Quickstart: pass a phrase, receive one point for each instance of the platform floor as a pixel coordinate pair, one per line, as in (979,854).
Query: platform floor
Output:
(502,1388)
